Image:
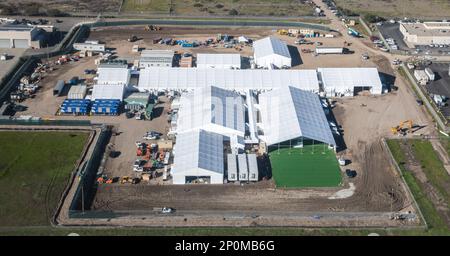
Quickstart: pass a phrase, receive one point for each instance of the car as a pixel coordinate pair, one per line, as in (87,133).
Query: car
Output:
(167,210)
(138,169)
(139,163)
(154,133)
(150,137)
(350,173)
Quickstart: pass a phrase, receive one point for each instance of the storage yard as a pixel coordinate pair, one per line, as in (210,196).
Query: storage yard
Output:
(162,153)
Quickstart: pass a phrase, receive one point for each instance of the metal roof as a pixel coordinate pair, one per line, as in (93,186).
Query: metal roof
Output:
(218,60)
(270,45)
(342,79)
(113,75)
(192,78)
(199,150)
(107,91)
(206,107)
(288,113)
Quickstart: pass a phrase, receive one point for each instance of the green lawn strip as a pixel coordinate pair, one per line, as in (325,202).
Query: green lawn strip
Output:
(433,167)
(436,224)
(293,168)
(39,164)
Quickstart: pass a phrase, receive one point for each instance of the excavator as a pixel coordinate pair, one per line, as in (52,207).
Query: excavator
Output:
(402,128)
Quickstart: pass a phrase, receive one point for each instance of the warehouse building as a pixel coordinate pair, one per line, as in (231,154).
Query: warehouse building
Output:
(156,58)
(239,80)
(108,92)
(113,74)
(223,61)
(426,33)
(289,114)
(222,111)
(349,81)
(271,51)
(199,157)
(20,36)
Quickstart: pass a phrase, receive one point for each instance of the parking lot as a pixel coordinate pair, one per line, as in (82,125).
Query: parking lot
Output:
(441,84)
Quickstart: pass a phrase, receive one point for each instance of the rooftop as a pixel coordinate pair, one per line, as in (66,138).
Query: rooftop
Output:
(270,45)
(428,29)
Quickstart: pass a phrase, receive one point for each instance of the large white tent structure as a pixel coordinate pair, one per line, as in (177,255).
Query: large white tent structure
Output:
(224,61)
(290,113)
(113,75)
(212,109)
(350,81)
(108,91)
(198,154)
(240,80)
(271,51)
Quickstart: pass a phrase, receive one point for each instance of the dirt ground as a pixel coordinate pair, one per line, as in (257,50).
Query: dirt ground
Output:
(14,56)
(377,185)
(116,38)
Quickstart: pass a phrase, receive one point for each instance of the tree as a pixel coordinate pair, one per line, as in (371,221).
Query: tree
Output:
(233,12)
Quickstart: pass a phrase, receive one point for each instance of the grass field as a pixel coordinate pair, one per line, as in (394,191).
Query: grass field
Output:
(430,9)
(207,7)
(428,158)
(297,167)
(34,170)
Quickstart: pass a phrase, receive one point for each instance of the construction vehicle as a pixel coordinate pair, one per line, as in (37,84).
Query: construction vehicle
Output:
(401,129)
(152,28)
(353,32)
(132,38)
(125,179)
(283,32)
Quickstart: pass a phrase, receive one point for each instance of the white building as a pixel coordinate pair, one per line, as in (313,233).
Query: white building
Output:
(108,92)
(212,109)
(223,61)
(291,114)
(349,81)
(426,33)
(232,171)
(156,58)
(92,46)
(19,36)
(271,51)
(77,92)
(113,74)
(240,80)
(199,156)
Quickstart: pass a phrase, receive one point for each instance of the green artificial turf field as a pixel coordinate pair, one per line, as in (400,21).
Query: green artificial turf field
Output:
(296,167)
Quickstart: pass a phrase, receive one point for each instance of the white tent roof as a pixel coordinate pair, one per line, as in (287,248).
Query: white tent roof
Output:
(347,78)
(270,45)
(211,106)
(191,78)
(198,150)
(219,59)
(113,75)
(108,91)
(288,113)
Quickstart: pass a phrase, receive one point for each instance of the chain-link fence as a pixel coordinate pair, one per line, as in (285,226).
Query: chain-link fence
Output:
(87,186)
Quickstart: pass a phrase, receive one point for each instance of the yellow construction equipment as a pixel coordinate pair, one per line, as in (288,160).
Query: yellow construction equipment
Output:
(283,32)
(403,127)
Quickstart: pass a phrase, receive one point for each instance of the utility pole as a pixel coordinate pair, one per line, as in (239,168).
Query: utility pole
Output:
(82,198)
